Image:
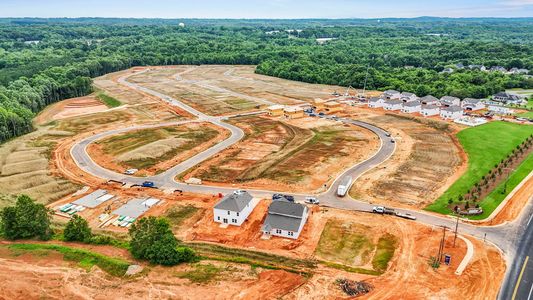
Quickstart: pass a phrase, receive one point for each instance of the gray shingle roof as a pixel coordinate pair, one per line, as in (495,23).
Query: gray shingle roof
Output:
(471,101)
(284,215)
(391,92)
(429,106)
(449,98)
(412,104)
(234,202)
(374,99)
(452,108)
(407,94)
(428,98)
(393,102)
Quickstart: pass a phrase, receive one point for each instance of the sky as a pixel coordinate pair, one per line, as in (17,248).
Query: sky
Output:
(276,9)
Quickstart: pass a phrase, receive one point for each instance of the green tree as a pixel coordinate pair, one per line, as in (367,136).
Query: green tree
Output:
(25,220)
(77,229)
(152,239)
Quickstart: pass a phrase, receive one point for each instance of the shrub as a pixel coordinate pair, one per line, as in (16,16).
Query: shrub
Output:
(77,229)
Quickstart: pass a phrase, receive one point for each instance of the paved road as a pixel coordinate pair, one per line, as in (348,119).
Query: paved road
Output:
(519,280)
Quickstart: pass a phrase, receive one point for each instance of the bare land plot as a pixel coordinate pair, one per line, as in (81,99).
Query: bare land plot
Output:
(70,108)
(427,160)
(300,155)
(156,149)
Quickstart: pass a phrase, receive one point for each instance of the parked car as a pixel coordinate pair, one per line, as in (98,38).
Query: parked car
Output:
(148,184)
(387,134)
(279,197)
(130,171)
(312,200)
(393,141)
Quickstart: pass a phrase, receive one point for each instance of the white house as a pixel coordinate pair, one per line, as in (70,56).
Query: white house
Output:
(429,110)
(501,110)
(429,100)
(376,102)
(452,112)
(408,97)
(507,98)
(471,104)
(391,94)
(285,219)
(448,101)
(234,208)
(411,107)
(393,104)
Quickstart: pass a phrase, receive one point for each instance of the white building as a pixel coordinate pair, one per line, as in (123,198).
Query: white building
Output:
(393,105)
(448,101)
(429,110)
(429,100)
(234,208)
(501,110)
(376,102)
(411,107)
(451,112)
(285,219)
(408,97)
(470,104)
(391,94)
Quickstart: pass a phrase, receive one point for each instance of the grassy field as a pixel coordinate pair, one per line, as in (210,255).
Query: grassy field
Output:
(108,100)
(176,215)
(85,259)
(353,247)
(528,114)
(204,273)
(485,146)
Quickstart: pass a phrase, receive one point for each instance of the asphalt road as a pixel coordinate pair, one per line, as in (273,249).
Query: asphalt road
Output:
(519,280)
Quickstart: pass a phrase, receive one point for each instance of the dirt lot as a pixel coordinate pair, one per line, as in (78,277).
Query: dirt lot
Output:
(297,155)
(427,160)
(154,150)
(70,108)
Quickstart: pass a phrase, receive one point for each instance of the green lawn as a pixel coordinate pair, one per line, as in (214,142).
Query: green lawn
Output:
(485,146)
(528,114)
(108,100)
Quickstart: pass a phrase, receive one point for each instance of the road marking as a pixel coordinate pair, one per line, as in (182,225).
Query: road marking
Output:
(520,278)
(530,290)
(530,219)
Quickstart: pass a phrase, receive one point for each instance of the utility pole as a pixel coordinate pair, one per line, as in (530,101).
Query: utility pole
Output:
(456,227)
(442,241)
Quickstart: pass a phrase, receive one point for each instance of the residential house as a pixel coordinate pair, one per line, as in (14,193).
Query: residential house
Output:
(477,67)
(501,110)
(460,66)
(507,98)
(376,102)
(448,101)
(391,95)
(333,106)
(411,107)
(275,110)
(294,112)
(519,71)
(429,110)
(393,104)
(471,104)
(234,208)
(429,100)
(447,71)
(498,69)
(408,97)
(285,219)
(452,112)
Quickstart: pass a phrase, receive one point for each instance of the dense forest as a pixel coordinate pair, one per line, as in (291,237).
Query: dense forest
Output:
(46,60)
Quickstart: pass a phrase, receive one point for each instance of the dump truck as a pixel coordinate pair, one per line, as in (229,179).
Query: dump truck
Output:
(344,186)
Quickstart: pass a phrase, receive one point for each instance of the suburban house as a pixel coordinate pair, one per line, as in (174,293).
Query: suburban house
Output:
(519,71)
(501,110)
(477,67)
(506,98)
(429,100)
(285,219)
(408,97)
(447,101)
(498,69)
(294,112)
(429,110)
(471,104)
(391,94)
(376,102)
(393,104)
(234,208)
(411,107)
(275,110)
(333,106)
(452,112)
(447,71)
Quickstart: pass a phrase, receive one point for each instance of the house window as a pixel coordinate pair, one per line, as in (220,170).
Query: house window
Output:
(291,233)
(234,220)
(228,213)
(218,218)
(278,231)
(237,214)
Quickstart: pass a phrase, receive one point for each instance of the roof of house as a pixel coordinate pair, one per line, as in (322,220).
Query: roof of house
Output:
(275,107)
(453,108)
(407,94)
(393,102)
(413,104)
(332,103)
(471,101)
(430,106)
(391,92)
(449,99)
(234,202)
(429,98)
(284,215)
(293,109)
(375,99)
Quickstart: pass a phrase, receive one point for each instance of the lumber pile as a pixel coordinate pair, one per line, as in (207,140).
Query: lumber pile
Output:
(354,288)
